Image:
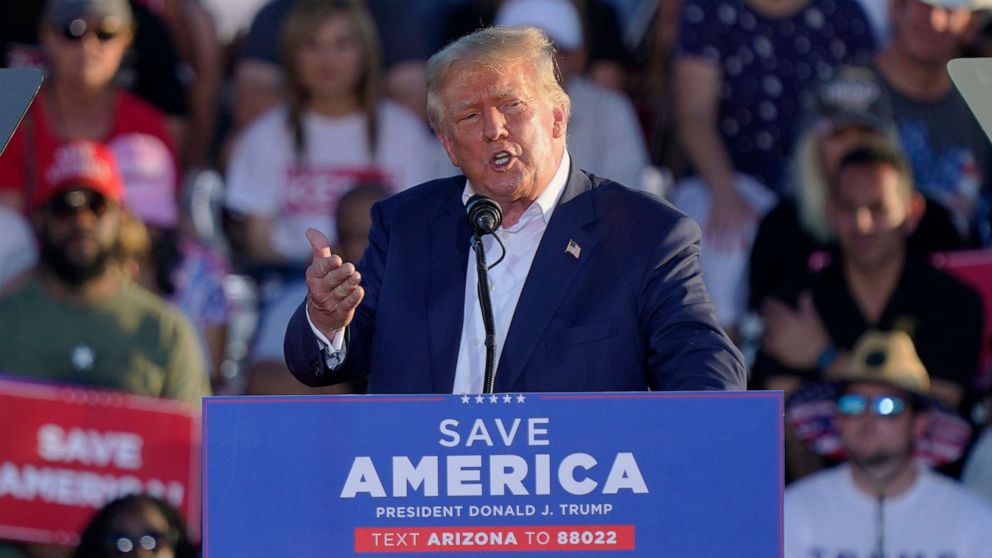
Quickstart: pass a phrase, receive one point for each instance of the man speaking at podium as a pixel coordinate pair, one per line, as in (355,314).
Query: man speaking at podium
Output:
(594,287)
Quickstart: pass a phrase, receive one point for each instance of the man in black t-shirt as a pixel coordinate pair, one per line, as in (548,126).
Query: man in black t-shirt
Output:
(872,283)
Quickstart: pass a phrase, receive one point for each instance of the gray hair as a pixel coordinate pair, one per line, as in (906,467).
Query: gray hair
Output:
(495,49)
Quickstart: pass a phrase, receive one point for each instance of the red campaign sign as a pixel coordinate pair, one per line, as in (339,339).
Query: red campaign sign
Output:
(500,538)
(66,451)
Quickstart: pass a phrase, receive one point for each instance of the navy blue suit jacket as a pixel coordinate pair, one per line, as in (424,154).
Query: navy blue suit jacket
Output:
(630,313)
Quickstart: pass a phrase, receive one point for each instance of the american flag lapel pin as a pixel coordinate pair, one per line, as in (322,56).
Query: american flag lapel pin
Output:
(573,249)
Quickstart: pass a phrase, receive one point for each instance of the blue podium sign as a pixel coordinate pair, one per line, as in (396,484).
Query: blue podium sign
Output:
(637,474)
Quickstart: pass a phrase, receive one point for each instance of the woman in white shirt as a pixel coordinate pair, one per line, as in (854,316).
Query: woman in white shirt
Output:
(334,131)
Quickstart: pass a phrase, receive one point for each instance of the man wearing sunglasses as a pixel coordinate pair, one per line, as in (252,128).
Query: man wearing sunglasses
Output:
(882,502)
(80,319)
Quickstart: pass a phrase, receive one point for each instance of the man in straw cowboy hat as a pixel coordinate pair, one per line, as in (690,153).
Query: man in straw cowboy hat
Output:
(882,502)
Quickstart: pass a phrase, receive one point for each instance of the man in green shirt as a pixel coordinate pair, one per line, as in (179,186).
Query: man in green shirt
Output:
(80,319)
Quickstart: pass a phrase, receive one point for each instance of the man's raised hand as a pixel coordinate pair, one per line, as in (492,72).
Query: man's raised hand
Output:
(334,287)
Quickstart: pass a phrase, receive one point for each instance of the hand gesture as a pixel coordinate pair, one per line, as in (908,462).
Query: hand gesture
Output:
(795,337)
(333,285)
(730,216)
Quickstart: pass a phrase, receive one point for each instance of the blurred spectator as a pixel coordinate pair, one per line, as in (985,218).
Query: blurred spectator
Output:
(268,374)
(883,503)
(18,253)
(795,237)
(85,41)
(406,33)
(744,75)
(607,59)
(150,67)
(291,165)
(172,263)
(603,131)
(136,525)
(79,319)
(653,84)
(951,156)
(873,282)
(743,79)
(192,29)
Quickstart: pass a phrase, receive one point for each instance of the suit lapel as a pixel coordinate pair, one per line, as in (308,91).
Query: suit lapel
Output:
(449,245)
(550,276)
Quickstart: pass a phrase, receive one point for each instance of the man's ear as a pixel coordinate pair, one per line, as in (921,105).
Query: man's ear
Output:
(560,122)
(917,207)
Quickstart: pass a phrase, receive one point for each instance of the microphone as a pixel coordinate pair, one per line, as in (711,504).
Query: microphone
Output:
(484,214)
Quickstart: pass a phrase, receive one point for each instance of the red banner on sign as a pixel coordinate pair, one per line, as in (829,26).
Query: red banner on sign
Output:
(502,538)
(66,451)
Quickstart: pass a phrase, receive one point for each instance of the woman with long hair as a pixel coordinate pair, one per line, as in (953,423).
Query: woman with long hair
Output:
(333,130)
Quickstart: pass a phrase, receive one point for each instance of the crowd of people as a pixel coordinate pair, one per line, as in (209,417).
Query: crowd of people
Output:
(820,145)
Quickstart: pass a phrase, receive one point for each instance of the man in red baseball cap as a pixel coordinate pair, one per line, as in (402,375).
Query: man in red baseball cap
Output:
(78,212)
(80,319)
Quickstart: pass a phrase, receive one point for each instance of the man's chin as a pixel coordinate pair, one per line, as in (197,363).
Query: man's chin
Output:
(76,269)
(77,275)
(502,187)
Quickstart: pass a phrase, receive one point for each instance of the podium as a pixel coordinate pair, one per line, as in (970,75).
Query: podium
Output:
(693,474)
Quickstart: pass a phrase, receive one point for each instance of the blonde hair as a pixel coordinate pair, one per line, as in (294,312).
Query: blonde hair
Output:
(496,49)
(811,188)
(810,184)
(301,23)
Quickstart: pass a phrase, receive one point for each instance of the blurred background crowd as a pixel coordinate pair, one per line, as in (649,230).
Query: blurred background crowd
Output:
(841,182)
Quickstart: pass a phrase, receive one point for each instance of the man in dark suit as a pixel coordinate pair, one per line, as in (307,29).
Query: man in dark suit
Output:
(600,287)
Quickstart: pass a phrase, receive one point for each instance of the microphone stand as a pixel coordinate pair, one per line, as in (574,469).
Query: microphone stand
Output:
(486,305)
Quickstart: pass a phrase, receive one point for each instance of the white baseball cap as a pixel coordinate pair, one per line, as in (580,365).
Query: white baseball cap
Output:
(557,18)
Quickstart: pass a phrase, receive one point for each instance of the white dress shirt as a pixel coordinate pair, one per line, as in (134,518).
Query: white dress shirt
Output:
(506,281)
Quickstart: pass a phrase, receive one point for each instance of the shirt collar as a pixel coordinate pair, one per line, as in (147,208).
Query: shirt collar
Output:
(546,202)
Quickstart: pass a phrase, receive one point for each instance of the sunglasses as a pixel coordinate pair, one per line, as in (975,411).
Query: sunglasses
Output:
(70,203)
(121,544)
(851,404)
(78,28)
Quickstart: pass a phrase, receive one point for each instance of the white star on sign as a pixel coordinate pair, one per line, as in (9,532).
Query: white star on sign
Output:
(521,398)
(479,399)
(507,398)
(465,399)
